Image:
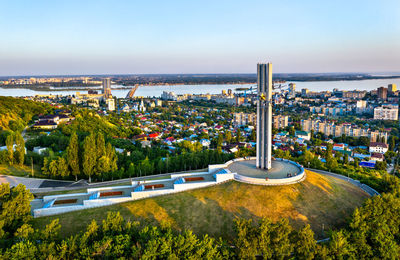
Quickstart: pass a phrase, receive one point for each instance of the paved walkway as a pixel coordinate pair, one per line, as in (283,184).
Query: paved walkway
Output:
(30,183)
(45,185)
(279,170)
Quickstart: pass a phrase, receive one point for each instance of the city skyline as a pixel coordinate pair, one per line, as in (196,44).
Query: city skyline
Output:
(174,37)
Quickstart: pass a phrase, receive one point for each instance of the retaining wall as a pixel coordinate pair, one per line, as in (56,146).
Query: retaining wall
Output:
(99,202)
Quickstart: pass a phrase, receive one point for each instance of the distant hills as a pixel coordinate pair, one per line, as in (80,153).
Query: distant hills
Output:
(194,79)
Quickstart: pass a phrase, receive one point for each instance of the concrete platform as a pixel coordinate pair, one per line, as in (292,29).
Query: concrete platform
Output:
(279,170)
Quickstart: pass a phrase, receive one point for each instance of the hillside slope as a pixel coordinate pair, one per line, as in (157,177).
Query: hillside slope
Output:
(15,113)
(319,201)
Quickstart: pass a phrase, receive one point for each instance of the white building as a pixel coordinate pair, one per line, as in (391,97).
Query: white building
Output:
(39,150)
(110,104)
(361,106)
(386,112)
(169,96)
(378,147)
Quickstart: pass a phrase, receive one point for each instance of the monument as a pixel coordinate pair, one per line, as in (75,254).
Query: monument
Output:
(264,116)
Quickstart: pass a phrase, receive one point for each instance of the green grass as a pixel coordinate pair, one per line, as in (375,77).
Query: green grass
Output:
(318,201)
(20,171)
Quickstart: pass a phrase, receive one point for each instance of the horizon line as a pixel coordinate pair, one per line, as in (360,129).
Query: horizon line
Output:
(396,73)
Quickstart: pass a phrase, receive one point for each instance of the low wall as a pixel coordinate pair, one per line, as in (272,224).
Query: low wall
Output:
(108,188)
(214,167)
(259,181)
(63,196)
(150,193)
(174,176)
(224,177)
(219,178)
(193,185)
(105,202)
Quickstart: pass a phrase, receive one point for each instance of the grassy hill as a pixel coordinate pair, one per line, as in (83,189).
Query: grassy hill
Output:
(319,200)
(15,113)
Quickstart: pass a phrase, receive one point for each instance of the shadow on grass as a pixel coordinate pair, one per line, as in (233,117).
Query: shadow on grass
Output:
(316,201)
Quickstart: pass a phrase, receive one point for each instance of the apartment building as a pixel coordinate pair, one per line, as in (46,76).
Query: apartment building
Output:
(329,128)
(386,112)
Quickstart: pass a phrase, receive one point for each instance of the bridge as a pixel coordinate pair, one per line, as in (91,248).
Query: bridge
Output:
(131,92)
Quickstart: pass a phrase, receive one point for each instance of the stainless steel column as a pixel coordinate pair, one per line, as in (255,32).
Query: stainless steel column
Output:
(264,116)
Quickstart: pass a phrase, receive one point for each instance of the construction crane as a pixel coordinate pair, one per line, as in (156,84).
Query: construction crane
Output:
(251,90)
(131,92)
(280,89)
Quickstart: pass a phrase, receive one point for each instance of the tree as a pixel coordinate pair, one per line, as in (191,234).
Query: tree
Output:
(53,168)
(246,240)
(281,244)
(253,135)
(100,153)
(392,142)
(339,246)
(228,137)
(331,163)
(220,140)
(10,149)
(63,170)
(112,157)
(19,149)
(291,131)
(238,135)
(15,208)
(304,243)
(346,159)
(89,156)
(380,165)
(73,155)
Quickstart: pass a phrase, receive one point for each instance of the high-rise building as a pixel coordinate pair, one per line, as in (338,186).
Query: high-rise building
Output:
(292,90)
(280,121)
(304,92)
(264,116)
(107,88)
(243,119)
(110,104)
(392,88)
(361,106)
(382,93)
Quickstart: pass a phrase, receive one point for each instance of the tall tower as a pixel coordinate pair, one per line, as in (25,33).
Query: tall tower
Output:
(107,88)
(264,116)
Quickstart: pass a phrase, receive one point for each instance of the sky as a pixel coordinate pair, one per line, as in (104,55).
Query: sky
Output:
(192,36)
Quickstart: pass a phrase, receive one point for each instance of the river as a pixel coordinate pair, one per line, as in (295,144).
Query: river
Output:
(150,91)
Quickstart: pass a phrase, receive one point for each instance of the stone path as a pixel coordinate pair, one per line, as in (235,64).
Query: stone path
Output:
(30,183)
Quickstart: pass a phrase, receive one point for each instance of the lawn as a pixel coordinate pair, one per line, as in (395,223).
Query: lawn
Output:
(20,170)
(319,201)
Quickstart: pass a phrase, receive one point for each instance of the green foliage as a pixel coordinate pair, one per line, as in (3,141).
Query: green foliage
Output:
(89,156)
(375,227)
(56,140)
(55,167)
(16,113)
(15,208)
(10,149)
(19,149)
(373,232)
(73,155)
(87,121)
